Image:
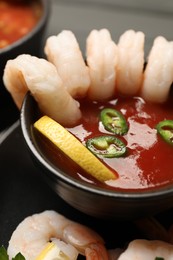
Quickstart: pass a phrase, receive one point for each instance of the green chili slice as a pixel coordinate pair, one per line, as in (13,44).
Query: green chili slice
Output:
(106,146)
(159,258)
(114,121)
(165,129)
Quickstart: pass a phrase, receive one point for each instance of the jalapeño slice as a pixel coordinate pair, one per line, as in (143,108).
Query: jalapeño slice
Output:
(106,146)
(165,129)
(114,121)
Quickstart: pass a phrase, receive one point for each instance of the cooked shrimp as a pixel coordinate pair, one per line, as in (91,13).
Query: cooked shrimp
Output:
(35,231)
(130,62)
(40,77)
(64,52)
(158,75)
(101,55)
(15,83)
(57,249)
(141,249)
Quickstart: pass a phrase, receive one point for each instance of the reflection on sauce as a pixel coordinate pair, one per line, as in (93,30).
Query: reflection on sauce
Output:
(148,162)
(17,18)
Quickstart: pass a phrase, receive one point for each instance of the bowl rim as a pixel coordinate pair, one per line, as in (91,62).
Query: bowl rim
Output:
(44,18)
(166,191)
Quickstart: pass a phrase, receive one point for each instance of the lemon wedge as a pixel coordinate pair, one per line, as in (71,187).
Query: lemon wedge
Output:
(48,252)
(73,148)
(58,250)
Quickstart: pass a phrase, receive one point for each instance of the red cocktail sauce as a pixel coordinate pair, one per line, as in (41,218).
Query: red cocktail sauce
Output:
(17,18)
(149,159)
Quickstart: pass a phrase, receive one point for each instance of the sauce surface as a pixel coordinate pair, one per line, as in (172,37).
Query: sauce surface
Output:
(17,18)
(148,161)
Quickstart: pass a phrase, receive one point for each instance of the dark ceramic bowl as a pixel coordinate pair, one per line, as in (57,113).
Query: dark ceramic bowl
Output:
(30,44)
(93,201)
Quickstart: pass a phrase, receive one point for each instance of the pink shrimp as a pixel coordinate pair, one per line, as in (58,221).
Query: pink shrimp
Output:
(130,62)
(35,231)
(141,249)
(101,54)
(158,75)
(64,52)
(40,77)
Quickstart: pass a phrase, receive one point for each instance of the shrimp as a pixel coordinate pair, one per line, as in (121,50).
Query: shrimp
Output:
(57,248)
(141,249)
(130,62)
(158,75)
(35,231)
(40,77)
(101,55)
(64,52)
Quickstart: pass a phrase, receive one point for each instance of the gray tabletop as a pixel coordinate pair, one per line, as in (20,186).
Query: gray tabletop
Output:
(153,17)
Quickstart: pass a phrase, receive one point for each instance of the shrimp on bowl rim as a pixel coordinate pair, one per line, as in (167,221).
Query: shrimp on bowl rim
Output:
(40,77)
(130,62)
(101,55)
(64,52)
(158,75)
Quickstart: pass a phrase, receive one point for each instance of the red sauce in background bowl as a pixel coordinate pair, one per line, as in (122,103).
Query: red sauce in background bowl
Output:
(30,43)
(17,18)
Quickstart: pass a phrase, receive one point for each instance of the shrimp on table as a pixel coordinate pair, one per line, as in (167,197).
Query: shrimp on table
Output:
(32,234)
(130,62)
(101,55)
(40,77)
(158,75)
(64,52)
(141,249)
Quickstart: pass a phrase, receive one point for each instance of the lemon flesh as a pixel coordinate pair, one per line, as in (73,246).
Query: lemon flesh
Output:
(52,252)
(73,148)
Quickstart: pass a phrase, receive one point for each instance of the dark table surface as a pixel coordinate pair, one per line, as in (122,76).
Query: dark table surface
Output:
(22,193)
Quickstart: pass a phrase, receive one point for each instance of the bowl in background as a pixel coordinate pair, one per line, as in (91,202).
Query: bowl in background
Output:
(31,43)
(97,202)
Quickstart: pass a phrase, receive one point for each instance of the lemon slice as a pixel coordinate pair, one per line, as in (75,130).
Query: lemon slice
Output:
(52,252)
(48,252)
(73,148)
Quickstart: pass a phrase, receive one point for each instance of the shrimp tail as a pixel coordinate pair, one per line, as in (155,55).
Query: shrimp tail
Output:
(96,252)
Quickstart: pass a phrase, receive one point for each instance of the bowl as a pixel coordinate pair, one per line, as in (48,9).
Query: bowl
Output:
(93,201)
(31,43)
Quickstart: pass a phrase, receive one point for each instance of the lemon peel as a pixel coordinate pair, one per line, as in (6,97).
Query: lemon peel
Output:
(73,148)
